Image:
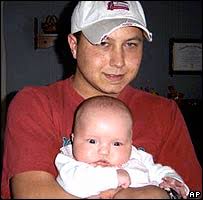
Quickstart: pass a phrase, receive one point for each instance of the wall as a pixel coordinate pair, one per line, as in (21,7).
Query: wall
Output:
(170,19)
(165,19)
(25,65)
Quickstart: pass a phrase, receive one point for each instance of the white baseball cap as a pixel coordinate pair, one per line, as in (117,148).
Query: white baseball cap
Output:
(97,19)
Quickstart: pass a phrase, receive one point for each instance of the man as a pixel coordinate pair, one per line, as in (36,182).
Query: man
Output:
(107,41)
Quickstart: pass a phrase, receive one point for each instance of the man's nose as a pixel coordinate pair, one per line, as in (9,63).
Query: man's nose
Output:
(117,57)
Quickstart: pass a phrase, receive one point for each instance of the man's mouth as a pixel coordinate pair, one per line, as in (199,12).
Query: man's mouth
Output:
(114,77)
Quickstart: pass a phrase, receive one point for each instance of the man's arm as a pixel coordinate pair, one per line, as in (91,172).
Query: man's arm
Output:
(146,192)
(37,184)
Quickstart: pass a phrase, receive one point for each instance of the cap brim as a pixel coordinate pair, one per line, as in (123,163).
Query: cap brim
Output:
(97,31)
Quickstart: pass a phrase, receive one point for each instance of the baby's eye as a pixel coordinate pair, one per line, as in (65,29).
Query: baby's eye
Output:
(92,141)
(117,143)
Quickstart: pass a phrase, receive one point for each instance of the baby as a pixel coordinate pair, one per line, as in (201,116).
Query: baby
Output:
(101,156)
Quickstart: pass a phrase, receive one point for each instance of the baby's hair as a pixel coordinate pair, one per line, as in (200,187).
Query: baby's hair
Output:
(102,103)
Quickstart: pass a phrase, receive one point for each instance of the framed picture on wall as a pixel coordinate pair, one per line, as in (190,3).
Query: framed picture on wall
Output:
(185,56)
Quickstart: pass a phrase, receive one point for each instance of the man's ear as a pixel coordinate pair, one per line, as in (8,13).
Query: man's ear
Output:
(72,41)
(72,137)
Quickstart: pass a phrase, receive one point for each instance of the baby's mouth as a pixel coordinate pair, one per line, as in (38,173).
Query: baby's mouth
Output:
(102,163)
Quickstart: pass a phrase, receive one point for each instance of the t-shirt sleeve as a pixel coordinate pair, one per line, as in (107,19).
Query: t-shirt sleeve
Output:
(30,138)
(178,151)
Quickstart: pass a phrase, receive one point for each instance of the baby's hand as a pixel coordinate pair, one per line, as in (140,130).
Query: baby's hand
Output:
(169,182)
(123,178)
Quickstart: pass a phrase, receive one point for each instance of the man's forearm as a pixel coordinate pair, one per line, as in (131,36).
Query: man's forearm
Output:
(146,192)
(37,185)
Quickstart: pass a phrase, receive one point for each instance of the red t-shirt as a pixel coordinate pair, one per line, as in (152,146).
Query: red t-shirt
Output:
(39,118)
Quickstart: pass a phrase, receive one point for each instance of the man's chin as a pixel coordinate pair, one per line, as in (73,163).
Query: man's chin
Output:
(113,91)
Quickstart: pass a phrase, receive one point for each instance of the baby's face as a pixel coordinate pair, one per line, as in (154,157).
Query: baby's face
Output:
(105,139)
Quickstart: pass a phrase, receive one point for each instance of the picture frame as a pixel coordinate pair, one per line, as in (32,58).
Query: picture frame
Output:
(185,56)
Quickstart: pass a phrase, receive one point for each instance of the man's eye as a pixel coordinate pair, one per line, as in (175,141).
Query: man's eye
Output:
(92,141)
(132,44)
(117,144)
(104,44)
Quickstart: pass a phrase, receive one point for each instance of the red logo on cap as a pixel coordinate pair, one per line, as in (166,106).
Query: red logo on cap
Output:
(121,5)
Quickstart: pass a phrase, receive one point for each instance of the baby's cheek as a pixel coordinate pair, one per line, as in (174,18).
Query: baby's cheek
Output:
(119,159)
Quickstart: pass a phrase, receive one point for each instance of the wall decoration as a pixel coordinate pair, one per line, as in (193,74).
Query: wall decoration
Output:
(185,56)
(46,34)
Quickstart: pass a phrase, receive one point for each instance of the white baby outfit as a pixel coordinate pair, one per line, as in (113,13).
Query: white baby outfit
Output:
(83,180)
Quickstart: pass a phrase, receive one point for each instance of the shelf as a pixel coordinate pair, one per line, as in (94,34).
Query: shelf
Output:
(43,41)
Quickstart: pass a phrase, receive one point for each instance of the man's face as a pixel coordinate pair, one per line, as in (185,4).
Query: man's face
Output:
(108,67)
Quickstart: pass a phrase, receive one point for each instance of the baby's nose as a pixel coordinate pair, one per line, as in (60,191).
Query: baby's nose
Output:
(104,149)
